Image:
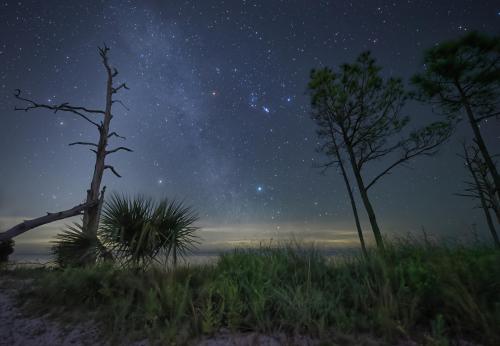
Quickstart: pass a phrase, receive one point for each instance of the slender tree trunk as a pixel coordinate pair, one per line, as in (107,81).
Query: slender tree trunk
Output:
(479,139)
(351,198)
(91,215)
(354,210)
(491,226)
(482,198)
(364,197)
(486,210)
(496,209)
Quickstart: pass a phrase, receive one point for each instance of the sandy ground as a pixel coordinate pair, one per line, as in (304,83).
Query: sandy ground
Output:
(16,329)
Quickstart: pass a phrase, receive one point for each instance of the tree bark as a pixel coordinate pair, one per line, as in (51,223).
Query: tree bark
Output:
(351,197)
(482,199)
(364,197)
(364,194)
(50,217)
(91,215)
(479,139)
(489,221)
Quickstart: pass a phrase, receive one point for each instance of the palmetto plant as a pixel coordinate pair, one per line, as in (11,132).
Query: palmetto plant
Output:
(138,231)
(172,223)
(125,229)
(73,247)
(133,231)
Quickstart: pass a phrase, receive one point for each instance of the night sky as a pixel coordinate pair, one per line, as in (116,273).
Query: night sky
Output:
(218,111)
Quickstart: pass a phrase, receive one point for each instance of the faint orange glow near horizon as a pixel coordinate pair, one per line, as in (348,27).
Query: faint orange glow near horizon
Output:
(211,237)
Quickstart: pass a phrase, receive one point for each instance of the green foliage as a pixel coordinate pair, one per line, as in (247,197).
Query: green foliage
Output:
(6,249)
(133,232)
(73,247)
(173,224)
(358,115)
(138,230)
(465,69)
(125,228)
(358,103)
(420,291)
(363,112)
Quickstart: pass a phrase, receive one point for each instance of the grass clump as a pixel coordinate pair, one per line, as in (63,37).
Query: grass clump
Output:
(421,292)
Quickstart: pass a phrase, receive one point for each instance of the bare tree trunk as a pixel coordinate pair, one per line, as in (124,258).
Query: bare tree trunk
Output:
(482,198)
(91,215)
(354,210)
(364,197)
(479,140)
(351,198)
(489,221)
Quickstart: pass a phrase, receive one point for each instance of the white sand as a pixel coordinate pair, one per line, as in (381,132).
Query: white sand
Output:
(16,329)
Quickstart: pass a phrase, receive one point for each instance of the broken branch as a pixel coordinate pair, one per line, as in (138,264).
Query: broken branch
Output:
(50,217)
(118,149)
(112,170)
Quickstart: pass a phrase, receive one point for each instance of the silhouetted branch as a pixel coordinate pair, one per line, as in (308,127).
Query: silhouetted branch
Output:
(112,170)
(118,149)
(121,103)
(83,143)
(64,107)
(121,86)
(116,135)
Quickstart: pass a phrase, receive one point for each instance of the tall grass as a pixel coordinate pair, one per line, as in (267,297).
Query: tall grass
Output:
(428,293)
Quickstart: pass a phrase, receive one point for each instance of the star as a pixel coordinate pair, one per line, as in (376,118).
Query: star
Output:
(266,109)
(260,188)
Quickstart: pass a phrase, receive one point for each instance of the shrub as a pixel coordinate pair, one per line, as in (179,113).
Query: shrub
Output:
(6,249)
(427,293)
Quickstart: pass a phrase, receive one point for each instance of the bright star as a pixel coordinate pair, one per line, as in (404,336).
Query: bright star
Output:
(253,100)
(259,188)
(266,109)
(160,181)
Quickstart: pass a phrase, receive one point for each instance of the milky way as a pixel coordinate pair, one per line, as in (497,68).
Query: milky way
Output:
(217,110)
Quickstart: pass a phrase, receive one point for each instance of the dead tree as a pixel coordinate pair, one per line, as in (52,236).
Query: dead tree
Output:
(481,187)
(101,120)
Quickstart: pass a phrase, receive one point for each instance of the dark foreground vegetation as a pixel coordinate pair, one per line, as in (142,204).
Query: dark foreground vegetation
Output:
(430,294)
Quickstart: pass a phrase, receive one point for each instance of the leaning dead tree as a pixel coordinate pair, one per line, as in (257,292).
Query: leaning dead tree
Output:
(101,120)
(481,187)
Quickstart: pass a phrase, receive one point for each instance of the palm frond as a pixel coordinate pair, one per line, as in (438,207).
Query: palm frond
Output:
(137,230)
(73,247)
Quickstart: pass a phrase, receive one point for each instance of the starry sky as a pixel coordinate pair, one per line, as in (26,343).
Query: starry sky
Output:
(218,114)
